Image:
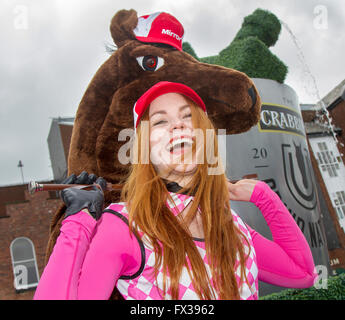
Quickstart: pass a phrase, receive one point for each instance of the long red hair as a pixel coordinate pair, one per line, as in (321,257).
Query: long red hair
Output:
(146,194)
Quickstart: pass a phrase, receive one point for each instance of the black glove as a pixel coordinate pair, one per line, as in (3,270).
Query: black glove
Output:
(83,178)
(77,199)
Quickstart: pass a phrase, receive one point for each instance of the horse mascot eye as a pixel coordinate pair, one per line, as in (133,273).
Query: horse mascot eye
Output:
(150,63)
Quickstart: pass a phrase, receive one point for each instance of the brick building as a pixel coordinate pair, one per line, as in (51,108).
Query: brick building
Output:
(25,221)
(24,231)
(328,162)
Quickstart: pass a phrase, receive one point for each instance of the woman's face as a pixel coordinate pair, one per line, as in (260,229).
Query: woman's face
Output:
(171,135)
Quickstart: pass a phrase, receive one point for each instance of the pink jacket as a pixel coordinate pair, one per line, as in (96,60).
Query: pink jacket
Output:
(91,257)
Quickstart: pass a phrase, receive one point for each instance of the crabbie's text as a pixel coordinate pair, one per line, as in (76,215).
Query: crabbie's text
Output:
(279,118)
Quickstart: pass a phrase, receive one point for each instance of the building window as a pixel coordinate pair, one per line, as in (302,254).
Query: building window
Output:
(326,160)
(332,170)
(24,264)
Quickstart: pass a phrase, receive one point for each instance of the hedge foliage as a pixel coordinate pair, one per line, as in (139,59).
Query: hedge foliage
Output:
(186,47)
(261,24)
(252,57)
(335,291)
(249,51)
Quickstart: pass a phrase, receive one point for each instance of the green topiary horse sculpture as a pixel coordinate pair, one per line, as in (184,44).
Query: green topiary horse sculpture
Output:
(249,51)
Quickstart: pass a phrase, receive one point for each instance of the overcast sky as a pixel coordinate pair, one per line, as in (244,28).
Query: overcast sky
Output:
(50,50)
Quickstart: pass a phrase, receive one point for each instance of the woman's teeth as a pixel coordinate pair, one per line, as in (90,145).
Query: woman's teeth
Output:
(179,144)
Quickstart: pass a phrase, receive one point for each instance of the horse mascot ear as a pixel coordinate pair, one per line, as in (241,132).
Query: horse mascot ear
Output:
(232,102)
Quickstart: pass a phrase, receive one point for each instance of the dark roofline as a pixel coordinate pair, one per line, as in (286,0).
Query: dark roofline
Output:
(335,103)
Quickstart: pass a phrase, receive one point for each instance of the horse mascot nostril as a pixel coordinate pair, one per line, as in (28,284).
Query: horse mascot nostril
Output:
(232,100)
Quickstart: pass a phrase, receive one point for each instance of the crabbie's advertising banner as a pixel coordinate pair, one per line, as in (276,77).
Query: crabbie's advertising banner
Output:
(279,118)
(276,151)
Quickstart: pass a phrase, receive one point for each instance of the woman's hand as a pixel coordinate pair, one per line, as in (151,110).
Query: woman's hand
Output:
(90,201)
(241,190)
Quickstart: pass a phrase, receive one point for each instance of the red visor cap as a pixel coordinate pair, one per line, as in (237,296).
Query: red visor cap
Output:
(160,27)
(159,89)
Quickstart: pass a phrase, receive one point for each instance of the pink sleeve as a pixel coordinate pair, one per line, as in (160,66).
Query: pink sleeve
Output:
(87,252)
(287,260)
(60,276)
(113,252)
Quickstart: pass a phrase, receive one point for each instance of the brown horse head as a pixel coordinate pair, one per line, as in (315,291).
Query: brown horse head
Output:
(231,98)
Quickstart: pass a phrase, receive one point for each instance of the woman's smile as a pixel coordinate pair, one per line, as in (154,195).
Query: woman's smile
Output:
(178,145)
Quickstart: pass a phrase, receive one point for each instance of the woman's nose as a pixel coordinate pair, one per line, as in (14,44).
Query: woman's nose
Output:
(177,124)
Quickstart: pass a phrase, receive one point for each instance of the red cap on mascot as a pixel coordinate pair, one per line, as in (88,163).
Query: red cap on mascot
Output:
(160,27)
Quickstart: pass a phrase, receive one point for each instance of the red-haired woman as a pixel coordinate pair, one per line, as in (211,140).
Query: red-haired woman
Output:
(174,235)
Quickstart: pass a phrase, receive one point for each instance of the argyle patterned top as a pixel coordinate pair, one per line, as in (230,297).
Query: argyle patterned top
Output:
(144,286)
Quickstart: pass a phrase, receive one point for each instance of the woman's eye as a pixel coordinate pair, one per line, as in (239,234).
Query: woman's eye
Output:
(189,115)
(150,63)
(159,122)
